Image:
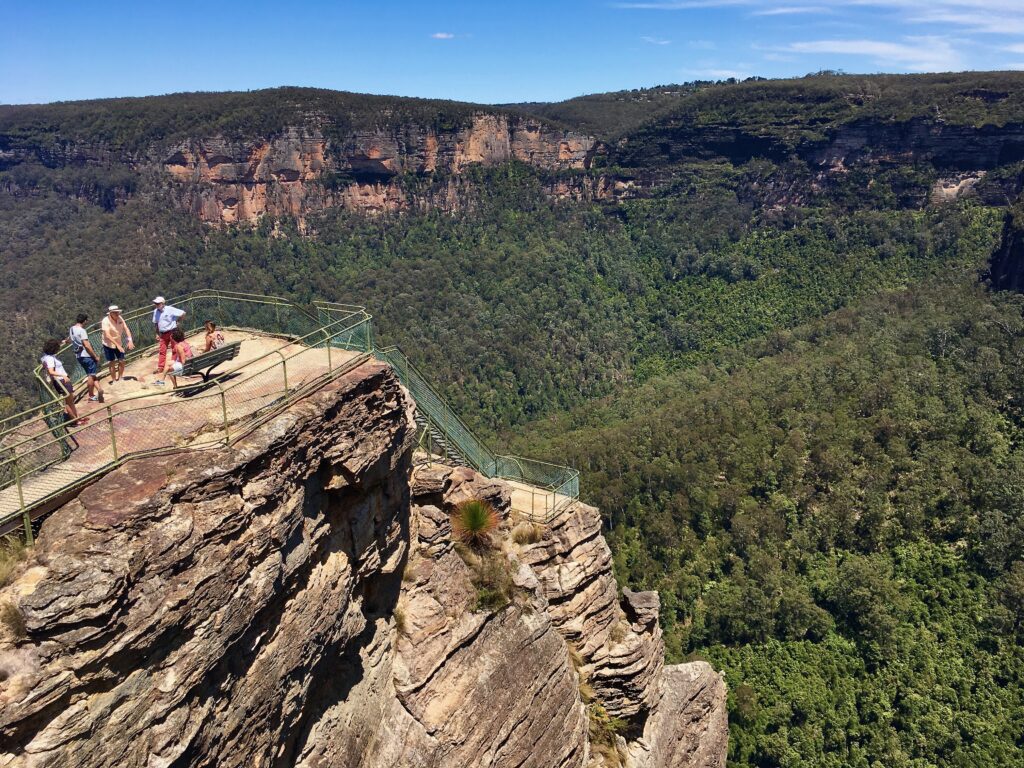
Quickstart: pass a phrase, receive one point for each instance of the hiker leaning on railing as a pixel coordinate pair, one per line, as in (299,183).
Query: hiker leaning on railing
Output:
(59,379)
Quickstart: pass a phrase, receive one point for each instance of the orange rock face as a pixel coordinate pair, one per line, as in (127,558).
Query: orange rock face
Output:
(300,171)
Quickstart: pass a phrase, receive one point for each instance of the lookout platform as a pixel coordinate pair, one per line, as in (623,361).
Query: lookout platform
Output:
(139,417)
(286,351)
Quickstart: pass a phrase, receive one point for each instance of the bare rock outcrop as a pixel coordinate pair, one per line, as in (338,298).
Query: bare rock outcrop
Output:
(198,609)
(621,644)
(298,600)
(303,169)
(689,727)
(677,714)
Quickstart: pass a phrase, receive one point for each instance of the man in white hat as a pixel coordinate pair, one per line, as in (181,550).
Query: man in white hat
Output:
(165,320)
(116,336)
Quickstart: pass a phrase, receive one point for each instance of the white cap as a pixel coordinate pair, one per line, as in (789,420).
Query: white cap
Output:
(113,308)
(158,300)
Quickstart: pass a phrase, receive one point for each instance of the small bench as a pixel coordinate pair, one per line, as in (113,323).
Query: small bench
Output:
(210,360)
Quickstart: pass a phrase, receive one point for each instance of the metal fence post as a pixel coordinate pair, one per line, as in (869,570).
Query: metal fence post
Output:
(224,408)
(25,516)
(113,438)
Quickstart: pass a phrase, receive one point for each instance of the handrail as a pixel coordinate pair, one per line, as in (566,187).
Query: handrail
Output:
(140,312)
(334,326)
(471,452)
(120,457)
(559,484)
(59,401)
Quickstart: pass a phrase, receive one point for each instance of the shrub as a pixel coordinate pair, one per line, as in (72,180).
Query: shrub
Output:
(491,574)
(527,533)
(12,620)
(401,620)
(473,522)
(619,631)
(12,552)
(493,582)
(604,733)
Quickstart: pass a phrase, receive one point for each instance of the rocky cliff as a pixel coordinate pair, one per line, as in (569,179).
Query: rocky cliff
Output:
(235,158)
(298,600)
(301,170)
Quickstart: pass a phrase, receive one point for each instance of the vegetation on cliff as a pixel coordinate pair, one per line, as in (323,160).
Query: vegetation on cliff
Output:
(798,108)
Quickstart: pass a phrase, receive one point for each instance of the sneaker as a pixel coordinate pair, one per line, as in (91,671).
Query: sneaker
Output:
(160,383)
(95,399)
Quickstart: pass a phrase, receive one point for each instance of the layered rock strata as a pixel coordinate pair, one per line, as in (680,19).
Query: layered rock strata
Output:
(302,171)
(297,600)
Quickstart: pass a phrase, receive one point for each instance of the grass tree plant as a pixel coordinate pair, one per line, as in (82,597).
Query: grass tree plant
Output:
(473,522)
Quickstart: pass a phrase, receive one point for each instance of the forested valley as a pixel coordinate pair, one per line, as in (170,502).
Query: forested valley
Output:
(799,405)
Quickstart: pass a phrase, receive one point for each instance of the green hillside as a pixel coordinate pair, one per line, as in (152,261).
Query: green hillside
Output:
(798,107)
(134,124)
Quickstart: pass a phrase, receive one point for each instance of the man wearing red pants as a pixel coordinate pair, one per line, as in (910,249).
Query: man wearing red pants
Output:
(165,320)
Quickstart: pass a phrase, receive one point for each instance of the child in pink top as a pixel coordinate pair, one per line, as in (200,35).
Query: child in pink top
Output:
(181,352)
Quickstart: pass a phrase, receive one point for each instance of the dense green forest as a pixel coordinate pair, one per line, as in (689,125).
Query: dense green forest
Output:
(132,125)
(534,307)
(833,515)
(796,401)
(803,107)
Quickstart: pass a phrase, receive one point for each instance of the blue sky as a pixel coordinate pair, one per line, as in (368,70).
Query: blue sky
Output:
(482,51)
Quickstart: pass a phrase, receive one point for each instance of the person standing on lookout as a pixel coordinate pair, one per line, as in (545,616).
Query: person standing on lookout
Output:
(86,357)
(165,320)
(116,336)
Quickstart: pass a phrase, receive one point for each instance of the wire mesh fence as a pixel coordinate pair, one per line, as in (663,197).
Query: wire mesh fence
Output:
(547,487)
(43,454)
(479,456)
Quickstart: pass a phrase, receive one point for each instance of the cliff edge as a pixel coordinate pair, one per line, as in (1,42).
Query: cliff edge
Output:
(299,600)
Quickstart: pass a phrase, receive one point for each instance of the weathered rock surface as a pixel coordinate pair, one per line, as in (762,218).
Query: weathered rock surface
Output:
(297,600)
(689,727)
(302,171)
(199,609)
(623,650)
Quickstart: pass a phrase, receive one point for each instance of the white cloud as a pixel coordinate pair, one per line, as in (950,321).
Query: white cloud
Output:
(443,36)
(715,73)
(1015,48)
(655,40)
(988,16)
(702,45)
(988,23)
(920,54)
(788,10)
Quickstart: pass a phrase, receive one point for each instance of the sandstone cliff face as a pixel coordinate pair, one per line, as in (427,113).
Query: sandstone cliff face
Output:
(298,601)
(302,171)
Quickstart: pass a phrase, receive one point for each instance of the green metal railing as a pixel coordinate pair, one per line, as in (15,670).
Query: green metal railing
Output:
(436,409)
(550,486)
(42,456)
